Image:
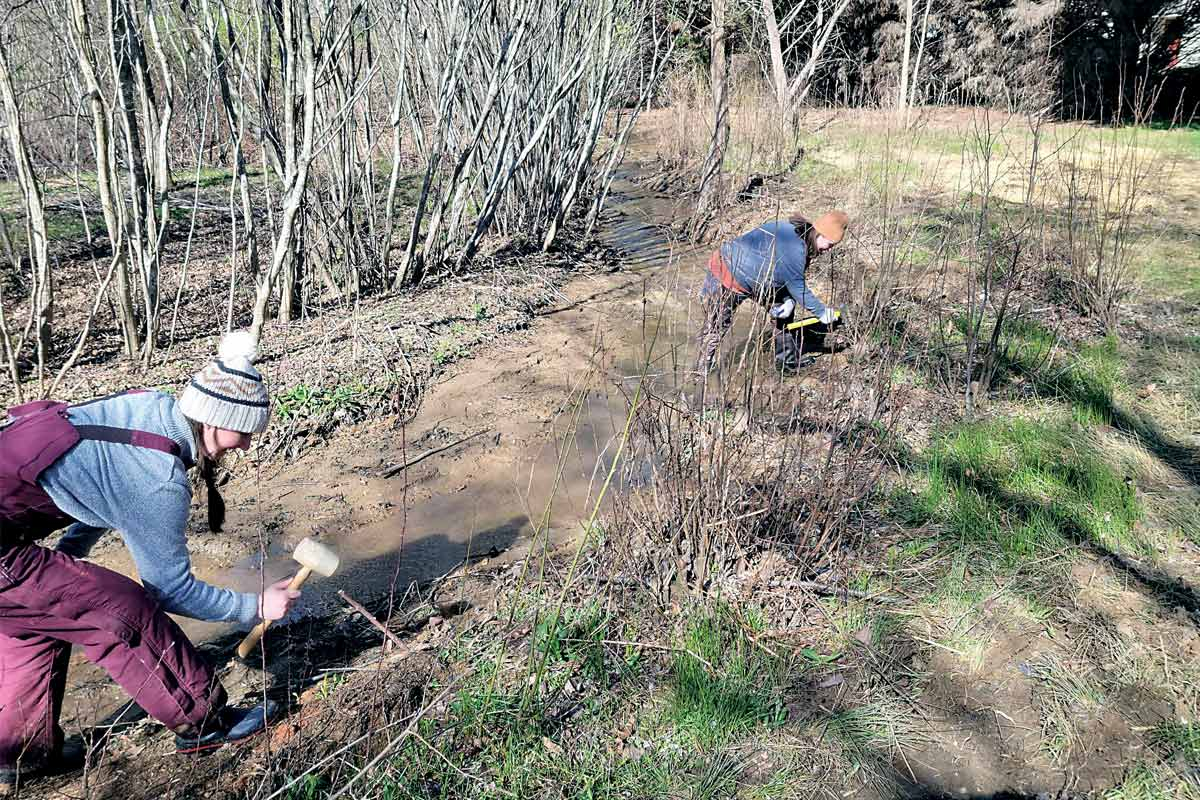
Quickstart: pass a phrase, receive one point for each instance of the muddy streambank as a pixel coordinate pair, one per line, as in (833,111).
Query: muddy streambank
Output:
(516,439)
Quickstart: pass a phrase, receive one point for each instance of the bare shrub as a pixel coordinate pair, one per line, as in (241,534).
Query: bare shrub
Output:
(997,250)
(778,468)
(955,268)
(1106,179)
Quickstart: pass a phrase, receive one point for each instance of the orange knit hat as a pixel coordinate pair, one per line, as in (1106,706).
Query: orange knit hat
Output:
(832,225)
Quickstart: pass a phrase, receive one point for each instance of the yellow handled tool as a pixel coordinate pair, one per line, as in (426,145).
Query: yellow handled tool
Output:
(804,323)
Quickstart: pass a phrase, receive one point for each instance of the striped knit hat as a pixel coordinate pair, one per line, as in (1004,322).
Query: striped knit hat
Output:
(229,392)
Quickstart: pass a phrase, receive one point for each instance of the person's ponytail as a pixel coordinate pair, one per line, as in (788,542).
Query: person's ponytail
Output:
(207,469)
(212,495)
(802,226)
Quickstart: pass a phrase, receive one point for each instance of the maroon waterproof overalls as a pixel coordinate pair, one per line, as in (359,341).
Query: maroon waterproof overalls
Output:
(50,601)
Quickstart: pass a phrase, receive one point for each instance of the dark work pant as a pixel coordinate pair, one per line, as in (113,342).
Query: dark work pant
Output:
(718,305)
(50,601)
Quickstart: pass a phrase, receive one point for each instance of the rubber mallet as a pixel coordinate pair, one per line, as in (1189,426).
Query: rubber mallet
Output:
(312,557)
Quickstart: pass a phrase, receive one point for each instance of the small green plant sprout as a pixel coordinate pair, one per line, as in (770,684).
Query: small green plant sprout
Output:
(344,401)
(448,350)
(329,684)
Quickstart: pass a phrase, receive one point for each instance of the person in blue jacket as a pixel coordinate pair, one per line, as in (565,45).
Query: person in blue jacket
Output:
(767,264)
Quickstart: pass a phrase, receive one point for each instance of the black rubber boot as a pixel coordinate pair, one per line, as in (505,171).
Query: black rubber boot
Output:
(228,725)
(793,368)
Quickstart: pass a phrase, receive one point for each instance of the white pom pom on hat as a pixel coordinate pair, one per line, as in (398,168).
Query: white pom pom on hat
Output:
(238,346)
(229,392)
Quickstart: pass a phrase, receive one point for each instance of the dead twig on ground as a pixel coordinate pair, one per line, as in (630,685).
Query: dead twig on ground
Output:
(369,617)
(390,471)
(837,591)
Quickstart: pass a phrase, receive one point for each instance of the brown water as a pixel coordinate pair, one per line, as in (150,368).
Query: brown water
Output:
(553,410)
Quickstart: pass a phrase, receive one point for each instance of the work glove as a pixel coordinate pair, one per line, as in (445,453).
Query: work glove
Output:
(829,315)
(784,310)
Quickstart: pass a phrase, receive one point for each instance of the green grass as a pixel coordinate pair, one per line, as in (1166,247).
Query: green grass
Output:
(499,740)
(206,177)
(60,226)
(1087,382)
(1064,696)
(1177,740)
(722,683)
(1168,267)
(1025,348)
(1181,141)
(714,776)
(512,766)
(69,227)
(310,787)
(785,781)
(1011,490)
(882,179)
(503,735)
(1028,347)
(578,637)
(1145,783)
(813,171)
(870,736)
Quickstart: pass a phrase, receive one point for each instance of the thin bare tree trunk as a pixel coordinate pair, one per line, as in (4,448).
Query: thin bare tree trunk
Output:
(42,291)
(902,95)
(163,180)
(778,70)
(236,119)
(394,121)
(711,175)
(298,150)
(106,182)
(825,30)
(145,234)
(10,352)
(912,91)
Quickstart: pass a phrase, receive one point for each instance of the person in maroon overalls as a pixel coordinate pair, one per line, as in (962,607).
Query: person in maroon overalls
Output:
(120,463)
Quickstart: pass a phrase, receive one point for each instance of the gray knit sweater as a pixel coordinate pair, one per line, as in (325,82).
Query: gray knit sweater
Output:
(145,495)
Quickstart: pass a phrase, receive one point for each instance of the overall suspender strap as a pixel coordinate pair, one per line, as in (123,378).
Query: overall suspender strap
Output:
(151,441)
(103,433)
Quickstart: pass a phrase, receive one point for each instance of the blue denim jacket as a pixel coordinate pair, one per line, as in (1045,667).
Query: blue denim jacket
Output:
(770,259)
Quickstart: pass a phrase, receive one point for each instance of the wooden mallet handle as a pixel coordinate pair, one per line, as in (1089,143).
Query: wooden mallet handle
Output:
(257,632)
